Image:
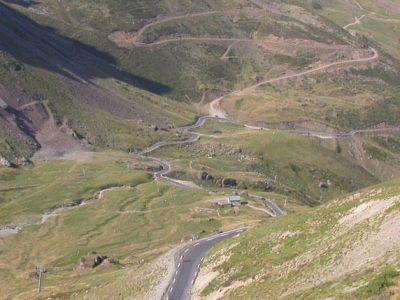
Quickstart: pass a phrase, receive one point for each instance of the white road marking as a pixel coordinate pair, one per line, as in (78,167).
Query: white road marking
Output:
(196,244)
(186,250)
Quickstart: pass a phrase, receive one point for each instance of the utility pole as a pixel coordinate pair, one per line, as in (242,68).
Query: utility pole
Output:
(40,270)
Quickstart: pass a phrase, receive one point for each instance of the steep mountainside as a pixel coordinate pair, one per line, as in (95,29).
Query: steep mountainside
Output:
(126,125)
(348,249)
(54,84)
(191,52)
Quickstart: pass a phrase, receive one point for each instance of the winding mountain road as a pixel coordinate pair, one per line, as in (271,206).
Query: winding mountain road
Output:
(166,167)
(218,112)
(190,257)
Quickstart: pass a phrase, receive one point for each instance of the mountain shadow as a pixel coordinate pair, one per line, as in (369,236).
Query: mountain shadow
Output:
(24,3)
(43,47)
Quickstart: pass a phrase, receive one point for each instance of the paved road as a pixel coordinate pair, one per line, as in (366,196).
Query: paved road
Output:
(276,210)
(166,167)
(188,262)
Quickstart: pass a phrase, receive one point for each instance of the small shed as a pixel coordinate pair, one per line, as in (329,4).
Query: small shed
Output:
(235,200)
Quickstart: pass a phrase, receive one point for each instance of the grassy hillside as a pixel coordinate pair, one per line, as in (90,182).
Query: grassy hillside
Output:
(82,83)
(189,67)
(93,70)
(270,161)
(347,249)
(381,21)
(84,91)
(343,102)
(134,225)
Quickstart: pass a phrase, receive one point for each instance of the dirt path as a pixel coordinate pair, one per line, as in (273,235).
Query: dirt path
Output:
(225,55)
(357,21)
(13,229)
(139,35)
(370,14)
(199,39)
(216,110)
(33,103)
(359,5)
(215,107)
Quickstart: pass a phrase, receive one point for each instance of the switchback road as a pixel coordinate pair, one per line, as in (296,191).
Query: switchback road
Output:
(215,107)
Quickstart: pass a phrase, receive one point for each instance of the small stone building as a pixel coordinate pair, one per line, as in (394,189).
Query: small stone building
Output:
(235,200)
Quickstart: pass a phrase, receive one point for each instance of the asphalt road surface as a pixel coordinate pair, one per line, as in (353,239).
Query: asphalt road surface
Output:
(276,210)
(188,262)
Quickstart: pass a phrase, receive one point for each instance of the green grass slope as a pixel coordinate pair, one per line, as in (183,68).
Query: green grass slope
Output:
(135,225)
(347,249)
(296,166)
(83,89)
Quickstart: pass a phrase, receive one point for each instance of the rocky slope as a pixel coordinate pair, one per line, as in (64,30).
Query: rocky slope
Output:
(105,68)
(49,78)
(346,249)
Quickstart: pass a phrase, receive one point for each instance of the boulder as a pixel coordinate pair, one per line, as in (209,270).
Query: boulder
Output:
(4,162)
(93,260)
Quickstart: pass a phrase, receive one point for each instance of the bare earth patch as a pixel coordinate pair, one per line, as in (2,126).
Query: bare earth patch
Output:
(366,211)
(372,251)
(379,243)
(123,39)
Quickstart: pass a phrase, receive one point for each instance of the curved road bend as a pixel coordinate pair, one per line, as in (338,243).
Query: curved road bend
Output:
(188,262)
(166,167)
(216,110)
(276,210)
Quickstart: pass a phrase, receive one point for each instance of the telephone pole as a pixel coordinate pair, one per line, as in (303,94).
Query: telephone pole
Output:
(40,271)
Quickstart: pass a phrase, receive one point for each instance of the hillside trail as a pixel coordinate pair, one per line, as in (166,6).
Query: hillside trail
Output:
(369,14)
(217,113)
(199,39)
(357,21)
(216,110)
(228,50)
(142,30)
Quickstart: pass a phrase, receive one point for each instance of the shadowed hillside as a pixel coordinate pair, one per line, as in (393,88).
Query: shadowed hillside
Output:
(81,85)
